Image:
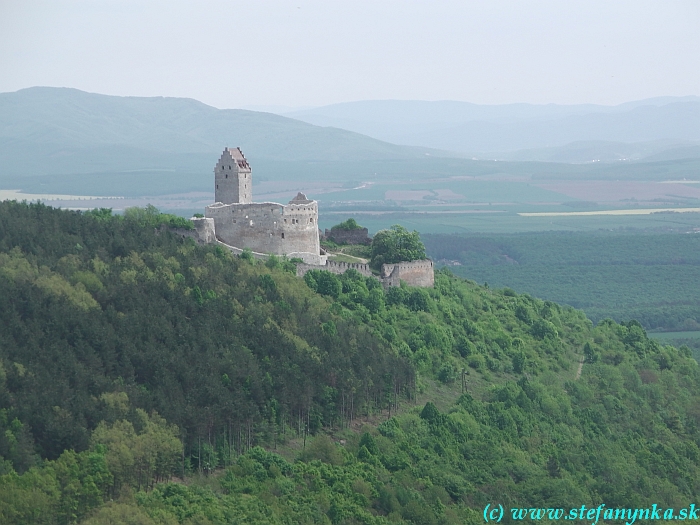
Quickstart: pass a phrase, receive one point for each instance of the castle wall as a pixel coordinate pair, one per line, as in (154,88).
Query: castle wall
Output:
(203,232)
(268,227)
(335,267)
(414,273)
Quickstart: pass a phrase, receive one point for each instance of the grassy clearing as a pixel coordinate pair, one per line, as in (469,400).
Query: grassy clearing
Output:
(341,257)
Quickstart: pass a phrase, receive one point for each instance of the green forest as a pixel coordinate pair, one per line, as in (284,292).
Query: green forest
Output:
(147,380)
(650,277)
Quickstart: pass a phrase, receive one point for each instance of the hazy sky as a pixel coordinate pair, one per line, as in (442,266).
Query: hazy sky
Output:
(309,53)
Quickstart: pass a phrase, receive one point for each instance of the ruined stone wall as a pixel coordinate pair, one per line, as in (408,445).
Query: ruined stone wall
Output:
(414,273)
(203,232)
(359,236)
(335,267)
(239,251)
(269,227)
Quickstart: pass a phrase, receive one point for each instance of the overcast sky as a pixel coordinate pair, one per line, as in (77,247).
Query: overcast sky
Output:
(309,53)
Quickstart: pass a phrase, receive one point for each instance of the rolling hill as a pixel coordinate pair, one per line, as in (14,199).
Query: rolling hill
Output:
(474,129)
(126,141)
(65,141)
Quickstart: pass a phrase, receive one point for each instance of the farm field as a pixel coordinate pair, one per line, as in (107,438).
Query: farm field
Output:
(501,220)
(445,196)
(502,205)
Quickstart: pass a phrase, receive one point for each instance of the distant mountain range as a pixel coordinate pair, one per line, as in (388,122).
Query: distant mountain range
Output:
(481,130)
(60,140)
(159,144)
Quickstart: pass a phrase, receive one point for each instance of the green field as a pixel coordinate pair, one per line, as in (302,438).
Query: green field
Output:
(502,220)
(460,191)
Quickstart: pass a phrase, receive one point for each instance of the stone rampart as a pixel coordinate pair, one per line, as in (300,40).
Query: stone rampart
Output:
(203,232)
(335,267)
(310,259)
(414,273)
(268,227)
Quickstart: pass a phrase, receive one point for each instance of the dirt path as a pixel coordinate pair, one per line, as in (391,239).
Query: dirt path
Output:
(580,368)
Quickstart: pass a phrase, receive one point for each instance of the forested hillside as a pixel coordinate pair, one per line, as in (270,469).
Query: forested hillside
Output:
(147,380)
(647,276)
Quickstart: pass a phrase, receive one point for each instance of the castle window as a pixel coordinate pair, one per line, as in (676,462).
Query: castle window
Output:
(217,186)
(311,219)
(234,221)
(283,235)
(229,167)
(227,175)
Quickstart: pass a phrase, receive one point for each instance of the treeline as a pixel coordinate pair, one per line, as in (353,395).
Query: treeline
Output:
(645,276)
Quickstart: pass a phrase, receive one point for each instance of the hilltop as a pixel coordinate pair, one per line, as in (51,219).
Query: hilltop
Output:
(129,355)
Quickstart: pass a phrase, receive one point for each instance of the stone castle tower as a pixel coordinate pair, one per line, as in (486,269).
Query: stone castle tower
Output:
(232,176)
(263,227)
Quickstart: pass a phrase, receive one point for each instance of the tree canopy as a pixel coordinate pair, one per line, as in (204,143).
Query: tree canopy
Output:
(396,244)
(350,224)
(129,355)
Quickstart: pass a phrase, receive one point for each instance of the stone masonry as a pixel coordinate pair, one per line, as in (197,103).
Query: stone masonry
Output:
(414,273)
(263,227)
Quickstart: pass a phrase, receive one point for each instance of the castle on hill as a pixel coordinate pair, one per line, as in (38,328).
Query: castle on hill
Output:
(263,227)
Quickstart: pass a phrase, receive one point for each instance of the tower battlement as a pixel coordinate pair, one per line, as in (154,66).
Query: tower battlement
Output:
(233,178)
